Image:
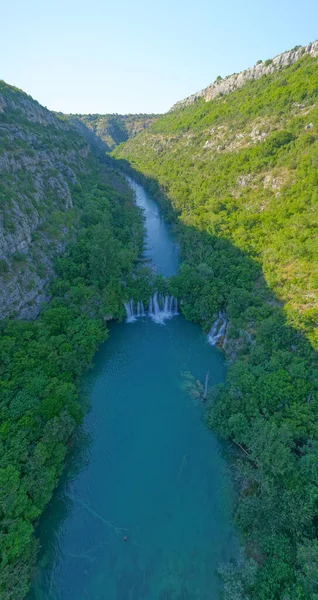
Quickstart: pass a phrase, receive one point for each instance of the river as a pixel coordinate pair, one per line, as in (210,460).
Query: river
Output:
(143,510)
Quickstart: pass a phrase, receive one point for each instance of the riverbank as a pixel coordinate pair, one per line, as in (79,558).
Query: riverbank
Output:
(144,469)
(41,363)
(266,407)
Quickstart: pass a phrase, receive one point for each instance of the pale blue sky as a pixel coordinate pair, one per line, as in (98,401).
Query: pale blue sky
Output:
(138,56)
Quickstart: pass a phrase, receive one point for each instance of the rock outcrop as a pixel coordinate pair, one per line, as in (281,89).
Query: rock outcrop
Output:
(42,160)
(237,80)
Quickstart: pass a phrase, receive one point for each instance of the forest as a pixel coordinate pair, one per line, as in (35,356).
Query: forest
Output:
(42,361)
(115,129)
(237,176)
(238,179)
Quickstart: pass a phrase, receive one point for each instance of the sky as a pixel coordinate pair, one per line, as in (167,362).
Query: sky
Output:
(138,56)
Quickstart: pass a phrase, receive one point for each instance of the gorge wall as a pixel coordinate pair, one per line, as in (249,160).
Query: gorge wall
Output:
(240,174)
(43,160)
(237,80)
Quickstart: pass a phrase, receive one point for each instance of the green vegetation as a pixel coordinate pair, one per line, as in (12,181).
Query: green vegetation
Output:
(240,173)
(4,267)
(243,167)
(41,363)
(44,161)
(115,129)
(56,195)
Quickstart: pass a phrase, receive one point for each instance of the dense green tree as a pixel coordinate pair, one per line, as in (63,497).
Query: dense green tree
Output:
(41,363)
(237,176)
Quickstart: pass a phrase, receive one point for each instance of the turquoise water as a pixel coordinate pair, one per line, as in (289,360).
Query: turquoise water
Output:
(143,510)
(160,246)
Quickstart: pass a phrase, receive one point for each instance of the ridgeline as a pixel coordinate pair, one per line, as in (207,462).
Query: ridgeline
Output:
(70,237)
(235,168)
(238,176)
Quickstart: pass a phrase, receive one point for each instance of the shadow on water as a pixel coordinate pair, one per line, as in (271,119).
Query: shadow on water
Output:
(233,269)
(155,474)
(60,507)
(272,390)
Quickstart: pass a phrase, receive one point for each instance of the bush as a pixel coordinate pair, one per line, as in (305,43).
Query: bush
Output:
(19,257)
(4,267)
(277,140)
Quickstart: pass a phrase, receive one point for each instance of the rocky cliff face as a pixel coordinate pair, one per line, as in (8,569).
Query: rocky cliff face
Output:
(237,80)
(42,161)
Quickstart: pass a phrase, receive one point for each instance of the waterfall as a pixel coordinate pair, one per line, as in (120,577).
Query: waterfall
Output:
(217,330)
(140,309)
(160,308)
(129,307)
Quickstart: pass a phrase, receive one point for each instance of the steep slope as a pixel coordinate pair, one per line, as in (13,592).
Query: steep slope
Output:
(43,161)
(237,80)
(56,198)
(238,176)
(115,129)
(244,167)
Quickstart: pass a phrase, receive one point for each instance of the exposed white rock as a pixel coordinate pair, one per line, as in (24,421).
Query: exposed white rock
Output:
(237,80)
(38,167)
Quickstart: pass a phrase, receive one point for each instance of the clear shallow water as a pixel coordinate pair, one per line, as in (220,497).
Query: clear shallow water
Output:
(144,466)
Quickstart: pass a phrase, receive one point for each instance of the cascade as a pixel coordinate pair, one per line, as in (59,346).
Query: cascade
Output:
(160,308)
(130,314)
(217,330)
(140,309)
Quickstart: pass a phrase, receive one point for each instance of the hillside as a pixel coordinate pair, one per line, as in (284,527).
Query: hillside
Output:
(115,129)
(43,161)
(70,235)
(237,80)
(238,177)
(243,167)
(235,168)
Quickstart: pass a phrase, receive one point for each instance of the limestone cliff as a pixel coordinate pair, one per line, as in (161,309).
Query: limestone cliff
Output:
(237,80)
(42,161)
